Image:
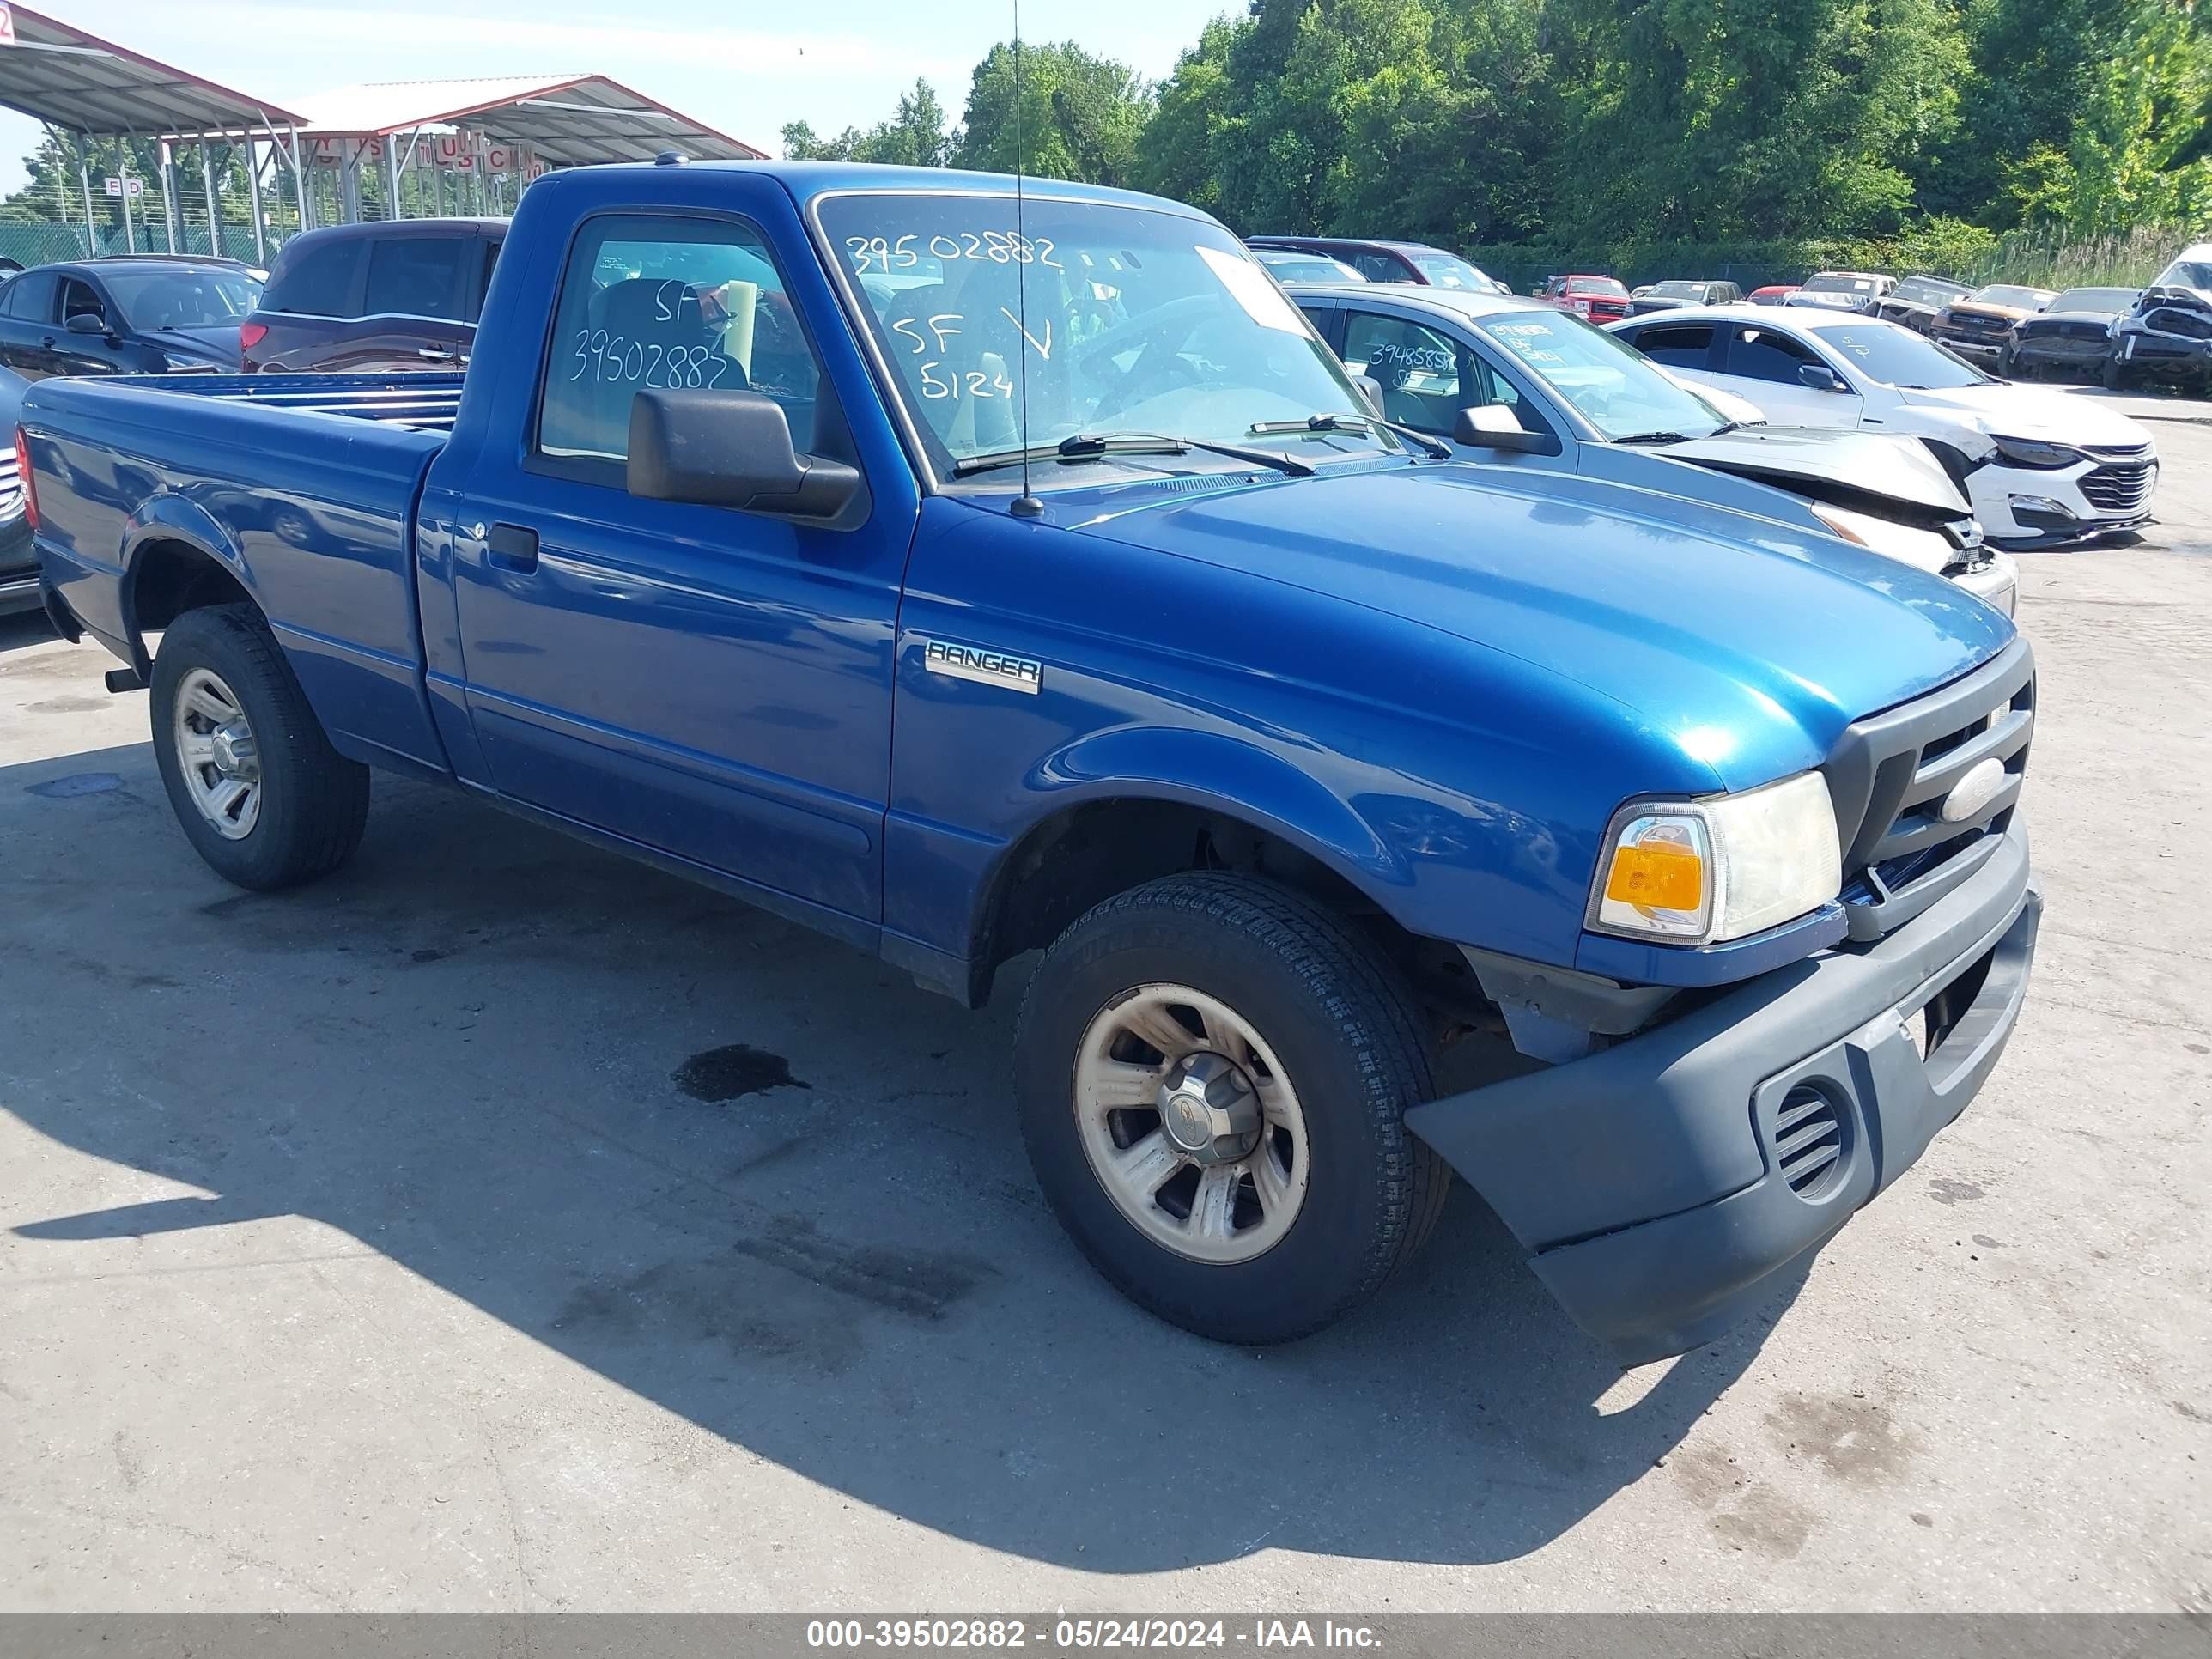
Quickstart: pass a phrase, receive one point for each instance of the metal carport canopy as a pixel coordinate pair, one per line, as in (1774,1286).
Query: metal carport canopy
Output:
(77,81)
(567,120)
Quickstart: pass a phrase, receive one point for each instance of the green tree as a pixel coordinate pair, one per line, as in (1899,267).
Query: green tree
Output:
(914,136)
(1080,115)
(2136,152)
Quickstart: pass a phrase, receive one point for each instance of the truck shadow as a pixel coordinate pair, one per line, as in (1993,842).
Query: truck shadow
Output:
(760,1181)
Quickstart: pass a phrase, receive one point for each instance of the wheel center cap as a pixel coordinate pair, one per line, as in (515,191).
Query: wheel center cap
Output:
(1208,1109)
(234,752)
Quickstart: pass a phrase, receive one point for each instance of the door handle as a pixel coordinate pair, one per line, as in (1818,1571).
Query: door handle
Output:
(513,548)
(428,354)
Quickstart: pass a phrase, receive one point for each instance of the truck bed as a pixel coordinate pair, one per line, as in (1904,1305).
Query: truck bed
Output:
(303,486)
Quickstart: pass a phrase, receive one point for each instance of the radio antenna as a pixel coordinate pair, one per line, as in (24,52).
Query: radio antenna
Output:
(1026,506)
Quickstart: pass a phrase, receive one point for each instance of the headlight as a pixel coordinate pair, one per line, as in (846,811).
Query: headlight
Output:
(2031,451)
(1926,549)
(1699,872)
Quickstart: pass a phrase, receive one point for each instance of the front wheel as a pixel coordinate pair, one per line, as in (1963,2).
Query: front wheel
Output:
(2006,361)
(255,782)
(1213,1076)
(2114,377)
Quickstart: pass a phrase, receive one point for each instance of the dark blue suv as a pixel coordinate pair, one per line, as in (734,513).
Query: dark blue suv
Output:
(391,296)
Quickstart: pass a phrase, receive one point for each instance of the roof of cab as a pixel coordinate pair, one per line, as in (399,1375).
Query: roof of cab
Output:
(810,181)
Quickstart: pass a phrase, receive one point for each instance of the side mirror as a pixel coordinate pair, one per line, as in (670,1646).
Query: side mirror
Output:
(730,448)
(87,322)
(1371,389)
(1492,426)
(1820,378)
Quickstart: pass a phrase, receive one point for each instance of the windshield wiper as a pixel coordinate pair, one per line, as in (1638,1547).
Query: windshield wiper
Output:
(1091,446)
(1655,438)
(1437,448)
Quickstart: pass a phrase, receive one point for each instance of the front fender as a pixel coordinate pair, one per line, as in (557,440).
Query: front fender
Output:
(1221,773)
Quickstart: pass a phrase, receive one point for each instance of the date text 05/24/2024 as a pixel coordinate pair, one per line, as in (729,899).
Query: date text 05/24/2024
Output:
(1073,1635)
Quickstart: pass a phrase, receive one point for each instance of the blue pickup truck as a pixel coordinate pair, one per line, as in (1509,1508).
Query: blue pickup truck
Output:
(967,575)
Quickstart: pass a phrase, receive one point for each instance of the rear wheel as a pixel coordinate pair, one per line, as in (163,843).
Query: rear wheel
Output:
(255,784)
(1213,1075)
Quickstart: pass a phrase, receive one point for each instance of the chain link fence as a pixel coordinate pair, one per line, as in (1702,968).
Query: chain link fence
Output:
(40,242)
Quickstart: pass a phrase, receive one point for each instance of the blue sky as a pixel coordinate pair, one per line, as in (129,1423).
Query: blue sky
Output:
(746,68)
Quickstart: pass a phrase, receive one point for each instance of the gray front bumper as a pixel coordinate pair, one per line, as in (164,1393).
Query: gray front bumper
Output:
(1641,1179)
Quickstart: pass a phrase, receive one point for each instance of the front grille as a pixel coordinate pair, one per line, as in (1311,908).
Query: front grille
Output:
(11,487)
(1971,324)
(1893,772)
(2088,332)
(2118,488)
(1809,1141)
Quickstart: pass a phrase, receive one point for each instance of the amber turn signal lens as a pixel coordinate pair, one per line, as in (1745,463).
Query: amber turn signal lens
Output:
(1657,875)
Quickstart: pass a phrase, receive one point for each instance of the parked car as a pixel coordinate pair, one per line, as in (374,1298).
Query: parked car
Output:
(828,621)
(1672,296)
(1774,293)
(2168,335)
(382,297)
(1980,325)
(1594,299)
(1916,299)
(19,553)
(1580,401)
(2073,334)
(1385,262)
(1289,265)
(1860,291)
(164,315)
(2067,469)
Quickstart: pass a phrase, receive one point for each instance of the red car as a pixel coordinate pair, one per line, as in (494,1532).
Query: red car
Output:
(1596,299)
(1771,296)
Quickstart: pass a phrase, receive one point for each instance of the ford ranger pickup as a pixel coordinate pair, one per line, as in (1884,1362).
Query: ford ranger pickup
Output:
(969,572)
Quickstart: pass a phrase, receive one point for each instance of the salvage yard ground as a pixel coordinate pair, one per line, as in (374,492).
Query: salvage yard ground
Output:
(501,1226)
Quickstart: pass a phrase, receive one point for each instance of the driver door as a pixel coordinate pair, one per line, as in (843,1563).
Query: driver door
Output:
(712,684)
(1763,365)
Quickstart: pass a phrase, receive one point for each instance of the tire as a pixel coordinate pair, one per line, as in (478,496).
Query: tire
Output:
(2005,364)
(312,803)
(1342,1032)
(2114,377)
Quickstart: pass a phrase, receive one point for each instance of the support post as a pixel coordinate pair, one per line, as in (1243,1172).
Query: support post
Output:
(253,199)
(171,213)
(84,178)
(215,215)
(123,172)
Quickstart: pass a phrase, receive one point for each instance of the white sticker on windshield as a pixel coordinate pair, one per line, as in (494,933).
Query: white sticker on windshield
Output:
(1250,286)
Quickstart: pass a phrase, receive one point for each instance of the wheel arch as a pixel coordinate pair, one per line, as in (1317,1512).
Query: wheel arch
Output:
(1124,808)
(176,557)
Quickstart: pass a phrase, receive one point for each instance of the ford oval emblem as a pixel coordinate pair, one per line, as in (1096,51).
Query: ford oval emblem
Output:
(1973,791)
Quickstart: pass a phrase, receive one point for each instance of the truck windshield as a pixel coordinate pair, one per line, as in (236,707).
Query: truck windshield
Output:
(1615,385)
(1121,319)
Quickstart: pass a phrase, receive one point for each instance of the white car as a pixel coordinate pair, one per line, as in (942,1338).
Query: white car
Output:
(2066,468)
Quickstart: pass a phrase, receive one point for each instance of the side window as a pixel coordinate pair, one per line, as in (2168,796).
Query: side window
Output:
(415,276)
(1677,345)
(31,296)
(1417,368)
(81,300)
(321,283)
(483,282)
(651,302)
(1761,354)
(1378,268)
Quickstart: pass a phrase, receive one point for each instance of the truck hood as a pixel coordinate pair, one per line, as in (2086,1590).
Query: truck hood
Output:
(2021,411)
(1744,644)
(1863,463)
